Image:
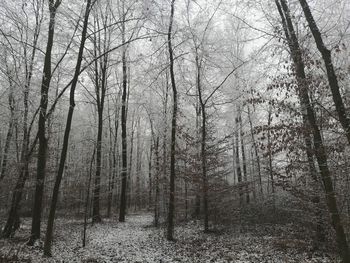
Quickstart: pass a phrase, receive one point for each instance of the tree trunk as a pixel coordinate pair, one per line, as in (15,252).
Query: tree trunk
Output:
(42,155)
(256,152)
(269,150)
(238,165)
(171,211)
(320,151)
(203,145)
(150,185)
(156,196)
(88,197)
(137,202)
(96,217)
(50,222)
(244,159)
(124,172)
(13,217)
(8,135)
(100,69)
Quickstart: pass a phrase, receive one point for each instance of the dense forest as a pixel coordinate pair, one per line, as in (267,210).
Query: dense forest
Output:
(175,131)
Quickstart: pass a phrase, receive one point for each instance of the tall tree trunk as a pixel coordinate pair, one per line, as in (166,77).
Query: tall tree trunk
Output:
(319,148)
(96,217)
(171,211)
(157,173)
(51,219)
(137,201)
(244,159)
(197,203)
(203,145)
(234,170)
(204,170)
(238,165)
(124,172)
(256,152)
(42,151)
(163,204)
(269,150)
(150,184)
(112,159)
(332,77)
(9,133)
(88,197)
(100,69)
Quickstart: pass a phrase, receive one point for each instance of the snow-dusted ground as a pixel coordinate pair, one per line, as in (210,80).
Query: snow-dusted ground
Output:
(137,241)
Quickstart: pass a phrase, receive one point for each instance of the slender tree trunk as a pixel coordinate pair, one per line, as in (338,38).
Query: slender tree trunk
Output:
(8,135)
(171,211)
(122,210)
(234,160)
(96,217)
(269,150)
(42,151)
(256,152)
(51,219)
(163,204)
(112,162)
(100,69)
(238,165)
(156,197)
(150,184)
(204,170)
(203,146)
(129,184)
(197,203)
(137,201)
(244,159)
(320,151)
(88,197)
(13,217)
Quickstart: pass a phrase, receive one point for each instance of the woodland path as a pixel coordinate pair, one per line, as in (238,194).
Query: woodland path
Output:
(138,241)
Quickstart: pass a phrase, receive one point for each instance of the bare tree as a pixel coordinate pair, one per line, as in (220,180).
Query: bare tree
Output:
(320,151)
(171,210)
(42,152)
(51,219)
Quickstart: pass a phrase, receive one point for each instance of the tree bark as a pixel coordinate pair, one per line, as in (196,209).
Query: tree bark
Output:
(150,184)
(124,172)
(244,159)
(171,210)
(156,196)
(238,165)
(256,152)
(9,133)
(269,150)
(88,197)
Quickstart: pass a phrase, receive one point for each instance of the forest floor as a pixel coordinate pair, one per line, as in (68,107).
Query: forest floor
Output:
(138,241)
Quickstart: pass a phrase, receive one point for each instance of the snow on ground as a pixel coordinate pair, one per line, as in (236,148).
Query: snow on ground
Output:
(137,241)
